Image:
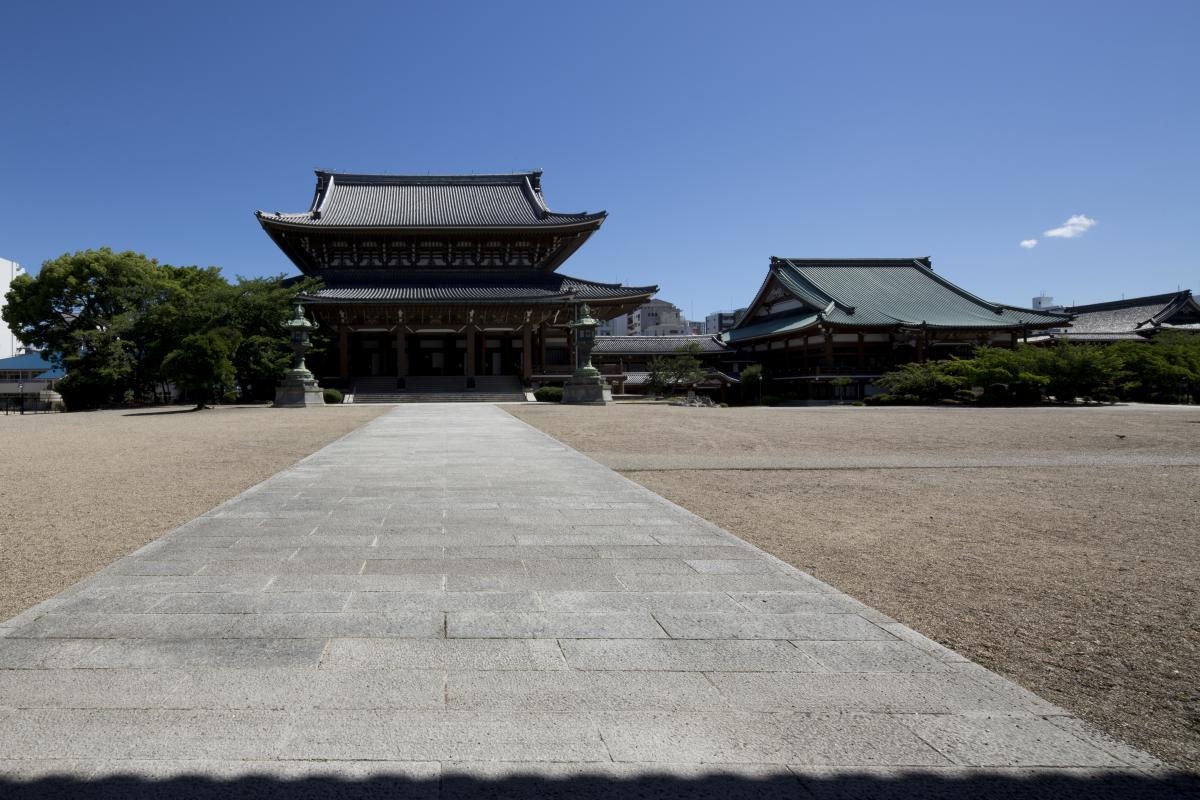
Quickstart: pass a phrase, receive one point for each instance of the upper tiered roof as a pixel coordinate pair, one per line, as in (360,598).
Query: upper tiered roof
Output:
(414,222)
(876,293)
(429,202)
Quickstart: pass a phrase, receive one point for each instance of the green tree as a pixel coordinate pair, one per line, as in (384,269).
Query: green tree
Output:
(684,368)
(752,376)
(111,319)
(1078,370)
(83,309)
(257,308)
(926,382)
(203,363)
(259,364)
(656,380)
(1006,376)
(190,300)
(1166,369)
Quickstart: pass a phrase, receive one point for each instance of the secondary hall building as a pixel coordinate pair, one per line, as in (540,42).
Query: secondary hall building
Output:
(815,321)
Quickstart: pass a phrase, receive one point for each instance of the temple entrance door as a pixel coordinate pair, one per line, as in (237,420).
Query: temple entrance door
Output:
(436,355)
(372,354)
(501,354)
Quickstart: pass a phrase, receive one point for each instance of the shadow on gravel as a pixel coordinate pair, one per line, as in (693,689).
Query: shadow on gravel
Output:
(191,410)
(843,786)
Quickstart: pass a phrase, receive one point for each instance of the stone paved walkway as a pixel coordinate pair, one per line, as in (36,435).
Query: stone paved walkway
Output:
(448,592)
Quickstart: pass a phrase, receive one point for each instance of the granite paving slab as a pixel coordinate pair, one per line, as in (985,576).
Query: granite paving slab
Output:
(449,603)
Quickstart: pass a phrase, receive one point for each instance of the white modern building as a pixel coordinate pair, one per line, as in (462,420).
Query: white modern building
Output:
(654,318)
(1044,302)
(618,326)
(8,342)
(719,321)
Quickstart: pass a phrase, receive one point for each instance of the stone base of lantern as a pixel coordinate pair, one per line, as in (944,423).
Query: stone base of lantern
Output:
(299,392)
(589,390)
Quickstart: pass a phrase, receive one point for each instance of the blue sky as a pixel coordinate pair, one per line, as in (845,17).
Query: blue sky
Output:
(715,134)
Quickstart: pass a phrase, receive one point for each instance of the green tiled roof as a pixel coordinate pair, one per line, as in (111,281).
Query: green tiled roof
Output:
(772,327)
(882,293)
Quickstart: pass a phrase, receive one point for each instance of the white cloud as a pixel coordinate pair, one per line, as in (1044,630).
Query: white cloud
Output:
(1029,244)
(1073,228)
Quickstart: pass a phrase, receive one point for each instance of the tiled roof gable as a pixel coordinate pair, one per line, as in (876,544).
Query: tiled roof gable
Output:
(881,293)
(353,200)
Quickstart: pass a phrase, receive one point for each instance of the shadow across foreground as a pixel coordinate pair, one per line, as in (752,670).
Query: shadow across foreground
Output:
(456,786)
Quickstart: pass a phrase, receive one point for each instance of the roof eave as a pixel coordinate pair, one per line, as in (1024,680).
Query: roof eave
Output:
(508,301)
(591,223)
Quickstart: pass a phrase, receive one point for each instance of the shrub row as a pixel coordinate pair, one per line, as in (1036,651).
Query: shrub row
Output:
(1166,369)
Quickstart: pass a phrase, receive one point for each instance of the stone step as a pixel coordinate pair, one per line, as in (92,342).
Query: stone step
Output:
(440,397)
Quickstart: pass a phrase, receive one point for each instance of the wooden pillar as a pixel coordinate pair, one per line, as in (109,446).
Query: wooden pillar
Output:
(401,352)
(828,350)
(921,347)
(344,353)
(469,366)
(526,353)
(542,347)
(571,349)
(862,356)
(1013,343)
(804,354)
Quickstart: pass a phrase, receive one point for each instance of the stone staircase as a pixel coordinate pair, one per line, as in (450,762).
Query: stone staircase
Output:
(433,389)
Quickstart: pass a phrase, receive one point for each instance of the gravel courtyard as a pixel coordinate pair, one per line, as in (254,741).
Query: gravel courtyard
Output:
(1055,546)
(81,490)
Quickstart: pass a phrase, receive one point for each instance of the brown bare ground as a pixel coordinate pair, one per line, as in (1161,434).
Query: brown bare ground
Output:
(1070,565)
(78,491)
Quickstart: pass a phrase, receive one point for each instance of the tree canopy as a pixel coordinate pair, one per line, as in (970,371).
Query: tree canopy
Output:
(684,368)
(1164,369)
(112,320)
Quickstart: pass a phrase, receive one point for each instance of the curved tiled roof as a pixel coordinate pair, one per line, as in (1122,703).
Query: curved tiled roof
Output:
(348,200)
(879,293)
(654,345)
(1134,314)
(905,292)
(791,323)
(503,287)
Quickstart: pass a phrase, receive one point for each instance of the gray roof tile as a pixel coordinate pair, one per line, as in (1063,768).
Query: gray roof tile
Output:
(345,200)
(654,345)
(536,287)
(1128,316)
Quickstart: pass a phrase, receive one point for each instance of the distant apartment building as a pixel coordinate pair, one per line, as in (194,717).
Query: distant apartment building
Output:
(9,344)
(617,326)
(695,327)
(657,318)
(719,321)
(653,318)
(1044,302)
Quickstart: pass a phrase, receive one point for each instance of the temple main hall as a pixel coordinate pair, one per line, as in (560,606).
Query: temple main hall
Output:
(450,278)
